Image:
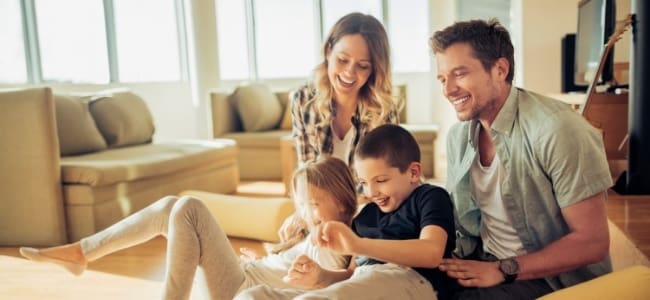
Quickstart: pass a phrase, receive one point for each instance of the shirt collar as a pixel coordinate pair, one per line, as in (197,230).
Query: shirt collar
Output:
(504,121)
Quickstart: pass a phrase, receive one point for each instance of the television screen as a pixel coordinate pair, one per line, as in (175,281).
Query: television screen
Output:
(596,22)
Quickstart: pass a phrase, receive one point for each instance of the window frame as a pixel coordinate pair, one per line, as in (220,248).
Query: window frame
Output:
(33,54)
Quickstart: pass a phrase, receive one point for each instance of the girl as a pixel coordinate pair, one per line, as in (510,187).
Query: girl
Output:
(324,191)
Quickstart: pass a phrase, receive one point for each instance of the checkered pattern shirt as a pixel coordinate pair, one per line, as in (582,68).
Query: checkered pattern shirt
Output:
(314,140)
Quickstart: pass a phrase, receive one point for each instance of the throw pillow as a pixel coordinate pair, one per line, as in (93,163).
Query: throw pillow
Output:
(76,128)
(287,118)
(123,119)
(258,108)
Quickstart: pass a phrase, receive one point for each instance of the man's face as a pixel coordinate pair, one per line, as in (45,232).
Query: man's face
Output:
(467,85)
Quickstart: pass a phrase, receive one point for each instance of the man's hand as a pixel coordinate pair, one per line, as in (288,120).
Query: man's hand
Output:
(291,226)
(473,273)
(304,272)
(335,236)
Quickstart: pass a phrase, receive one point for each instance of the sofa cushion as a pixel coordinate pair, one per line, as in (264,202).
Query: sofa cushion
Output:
(76,127)
(143,161)
(266,139)
(287,118)
(123,119)
(258,108)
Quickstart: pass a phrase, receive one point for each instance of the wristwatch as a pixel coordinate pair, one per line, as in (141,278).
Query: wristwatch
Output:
(509,268)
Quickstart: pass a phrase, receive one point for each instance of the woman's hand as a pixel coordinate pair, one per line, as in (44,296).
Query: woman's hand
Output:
(304,272)
(291,226)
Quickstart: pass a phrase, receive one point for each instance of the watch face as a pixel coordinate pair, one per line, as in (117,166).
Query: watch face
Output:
(509,266)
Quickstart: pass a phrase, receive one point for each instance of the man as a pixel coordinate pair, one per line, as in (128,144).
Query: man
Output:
(528,176)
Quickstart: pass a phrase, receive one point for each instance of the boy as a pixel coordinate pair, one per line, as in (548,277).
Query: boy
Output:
(398,239)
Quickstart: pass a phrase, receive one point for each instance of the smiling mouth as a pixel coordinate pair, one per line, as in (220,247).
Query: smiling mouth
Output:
(381,202)
(345,83)
(460,101)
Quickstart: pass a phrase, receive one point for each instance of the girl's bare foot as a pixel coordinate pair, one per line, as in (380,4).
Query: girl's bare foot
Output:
(67,256)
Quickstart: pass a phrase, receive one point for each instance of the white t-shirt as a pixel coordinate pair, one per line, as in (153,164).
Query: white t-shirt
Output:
(270,269)
(342,147)
(498,235)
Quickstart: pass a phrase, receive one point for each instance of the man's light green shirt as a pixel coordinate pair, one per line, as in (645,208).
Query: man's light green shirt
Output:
(552,159)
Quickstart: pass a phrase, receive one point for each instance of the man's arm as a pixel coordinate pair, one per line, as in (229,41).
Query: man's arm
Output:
(586,243)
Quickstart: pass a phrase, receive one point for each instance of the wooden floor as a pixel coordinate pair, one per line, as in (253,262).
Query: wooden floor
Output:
(137,273)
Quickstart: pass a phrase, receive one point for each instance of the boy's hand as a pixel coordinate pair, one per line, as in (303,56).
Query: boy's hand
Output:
(335,236)
(304,272)
(472,273)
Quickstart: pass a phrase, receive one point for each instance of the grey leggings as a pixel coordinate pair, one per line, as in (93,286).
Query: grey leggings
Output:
(193,239)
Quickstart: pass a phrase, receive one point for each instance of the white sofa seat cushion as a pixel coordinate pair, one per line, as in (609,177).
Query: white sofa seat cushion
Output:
(143,161)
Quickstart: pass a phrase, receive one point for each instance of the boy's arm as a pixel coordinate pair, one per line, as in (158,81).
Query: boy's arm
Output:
(425,252)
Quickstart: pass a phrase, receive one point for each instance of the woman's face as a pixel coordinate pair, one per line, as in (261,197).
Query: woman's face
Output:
(317,205)
(349,65)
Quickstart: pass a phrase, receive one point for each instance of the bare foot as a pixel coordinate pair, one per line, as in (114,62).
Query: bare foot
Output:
(69,252)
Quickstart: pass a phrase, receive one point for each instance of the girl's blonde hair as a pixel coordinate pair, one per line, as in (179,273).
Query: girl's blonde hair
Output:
(376,99)
(331,175)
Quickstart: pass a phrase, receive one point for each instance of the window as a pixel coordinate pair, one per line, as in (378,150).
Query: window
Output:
(147,40)
(333,10)
(255,43)
(284,46)
(72,40)
(408,27)
(91,41)
(13,68)
(233,44)
(486,9)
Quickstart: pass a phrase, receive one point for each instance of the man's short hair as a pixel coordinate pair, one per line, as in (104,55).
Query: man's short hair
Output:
(489,41)
(392,143)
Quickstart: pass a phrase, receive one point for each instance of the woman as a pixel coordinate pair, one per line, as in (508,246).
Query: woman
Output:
(324,190)
(351,93)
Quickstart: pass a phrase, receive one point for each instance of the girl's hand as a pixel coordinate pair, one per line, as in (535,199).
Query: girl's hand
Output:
(248,254)
(291,226)
(304,272)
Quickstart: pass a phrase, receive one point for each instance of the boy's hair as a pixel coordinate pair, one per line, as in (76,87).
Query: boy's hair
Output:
(331,175)
(489,41)
(392,143)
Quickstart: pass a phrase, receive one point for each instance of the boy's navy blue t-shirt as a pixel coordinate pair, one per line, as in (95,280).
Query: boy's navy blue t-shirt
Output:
(427,205)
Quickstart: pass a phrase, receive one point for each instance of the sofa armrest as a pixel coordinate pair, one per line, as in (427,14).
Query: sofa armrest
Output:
(31,208)
(630,283)
(224,116)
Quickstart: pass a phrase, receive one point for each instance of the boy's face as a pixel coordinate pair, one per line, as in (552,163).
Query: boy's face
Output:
(384,185)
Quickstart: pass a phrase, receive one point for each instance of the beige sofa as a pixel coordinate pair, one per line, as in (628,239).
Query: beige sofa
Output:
(72,166)
(260,121)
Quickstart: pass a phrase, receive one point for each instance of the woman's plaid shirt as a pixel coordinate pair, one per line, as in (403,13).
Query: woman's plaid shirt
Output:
(313,140)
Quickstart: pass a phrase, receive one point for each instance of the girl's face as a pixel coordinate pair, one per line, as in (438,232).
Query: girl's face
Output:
(318,206)
(349,65)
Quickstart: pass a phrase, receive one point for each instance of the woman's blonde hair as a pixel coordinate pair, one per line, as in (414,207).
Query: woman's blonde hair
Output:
(331,175)
(376,100)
